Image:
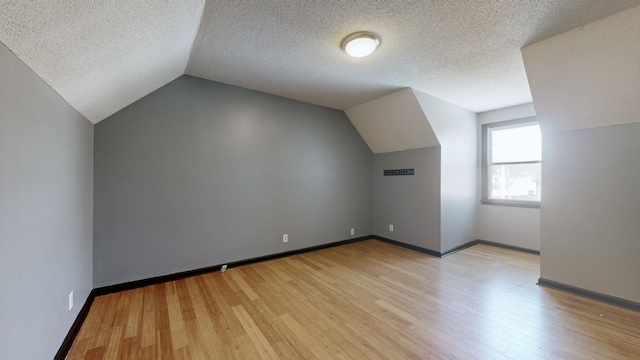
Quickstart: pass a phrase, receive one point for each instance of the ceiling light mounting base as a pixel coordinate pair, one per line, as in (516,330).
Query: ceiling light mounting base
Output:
(361,43)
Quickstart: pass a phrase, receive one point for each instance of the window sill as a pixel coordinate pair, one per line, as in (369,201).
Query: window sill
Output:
(523,204)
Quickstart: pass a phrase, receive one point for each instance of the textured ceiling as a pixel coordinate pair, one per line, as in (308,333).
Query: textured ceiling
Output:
(588,77)
(103,55)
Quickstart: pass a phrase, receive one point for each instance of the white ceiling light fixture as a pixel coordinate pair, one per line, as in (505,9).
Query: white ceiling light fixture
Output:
(360,44)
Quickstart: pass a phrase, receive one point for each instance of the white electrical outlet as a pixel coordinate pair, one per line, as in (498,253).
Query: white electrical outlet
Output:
(390,227)
(353,231)
(223,268)
(71,300)
(285,238)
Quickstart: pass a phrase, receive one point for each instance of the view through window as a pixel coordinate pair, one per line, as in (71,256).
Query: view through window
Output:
(512,153)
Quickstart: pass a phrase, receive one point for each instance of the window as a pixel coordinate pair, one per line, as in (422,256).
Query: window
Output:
(511,163)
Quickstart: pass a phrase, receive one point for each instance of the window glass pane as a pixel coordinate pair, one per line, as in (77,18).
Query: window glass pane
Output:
(515,182)
(522,143)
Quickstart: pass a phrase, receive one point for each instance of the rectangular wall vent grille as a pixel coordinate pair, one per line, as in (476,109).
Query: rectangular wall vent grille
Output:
(398,172)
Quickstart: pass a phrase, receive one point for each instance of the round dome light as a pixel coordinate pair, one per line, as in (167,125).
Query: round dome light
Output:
(360,44)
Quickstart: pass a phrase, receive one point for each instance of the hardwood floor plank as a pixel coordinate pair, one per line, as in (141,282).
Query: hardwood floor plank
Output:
(257,337)
(196,345)
(129,347)
(317,350)
(96,353)
(104,320)
(237,278)
(182,354)
(81,346)
(134,313)
(227,340)
(115,341)
(366,300)
(148,331)
(200,330)
(164,346)
(176,322)
(248,347)
(147,353)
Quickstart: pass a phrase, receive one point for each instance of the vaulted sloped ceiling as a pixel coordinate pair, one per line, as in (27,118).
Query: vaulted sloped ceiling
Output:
(588,77)
(103,55)
(394,122)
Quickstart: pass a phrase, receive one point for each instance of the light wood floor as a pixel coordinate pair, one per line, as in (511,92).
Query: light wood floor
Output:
(368,300)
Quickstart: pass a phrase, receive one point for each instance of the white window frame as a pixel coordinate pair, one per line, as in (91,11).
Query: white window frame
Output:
(485,163)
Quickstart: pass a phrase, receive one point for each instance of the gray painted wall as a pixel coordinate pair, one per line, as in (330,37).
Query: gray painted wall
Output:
(455,129)
(410,203)
(590,229)
(45,212)
(509,225)
(590,218)
(200,173)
